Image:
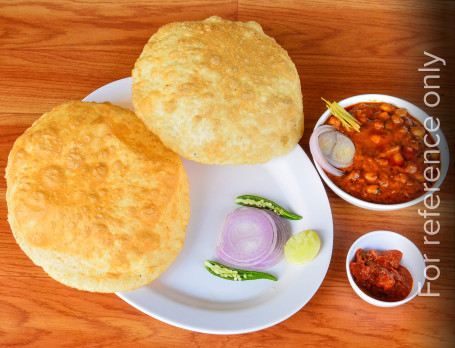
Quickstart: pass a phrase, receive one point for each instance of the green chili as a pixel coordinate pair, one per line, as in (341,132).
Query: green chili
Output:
(263,203)
(235,274)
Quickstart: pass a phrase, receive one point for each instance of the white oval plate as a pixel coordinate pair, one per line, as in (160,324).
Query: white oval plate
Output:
(187,295)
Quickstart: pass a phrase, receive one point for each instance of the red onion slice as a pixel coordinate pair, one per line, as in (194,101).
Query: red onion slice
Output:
(283,234)
(253,238)
(337,149)
(249,234)
(318,156)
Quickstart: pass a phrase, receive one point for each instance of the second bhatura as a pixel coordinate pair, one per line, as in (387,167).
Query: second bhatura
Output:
(219,92)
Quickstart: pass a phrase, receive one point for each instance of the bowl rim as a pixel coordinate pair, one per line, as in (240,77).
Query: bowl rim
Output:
(417,113)
(359,291)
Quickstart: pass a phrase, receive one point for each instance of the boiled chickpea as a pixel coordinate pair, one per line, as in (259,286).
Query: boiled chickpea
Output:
(411,168)
(397,120)
(370,177)
(384,182)
(389,125)
(376,139)
(408,149)
(361,117)
(418,132)
(353,176)
(370,165)
(391,151)
(403,131)
(378,125)
(333,121)
(360,113)
(383,116)
(397,159)
(386,108)
(401,178)
(401,112)
(372,189)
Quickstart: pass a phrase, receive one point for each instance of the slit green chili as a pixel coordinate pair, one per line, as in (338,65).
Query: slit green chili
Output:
(229,273)
(263,203)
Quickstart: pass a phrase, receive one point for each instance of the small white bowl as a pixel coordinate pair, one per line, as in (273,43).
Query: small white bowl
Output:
(383,241)
(416,112)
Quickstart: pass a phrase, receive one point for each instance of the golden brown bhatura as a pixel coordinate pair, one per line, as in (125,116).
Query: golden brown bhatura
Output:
(219,92)
(95,198)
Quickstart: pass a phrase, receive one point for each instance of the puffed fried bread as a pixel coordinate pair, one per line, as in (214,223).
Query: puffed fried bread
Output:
(95,198)
(219,92)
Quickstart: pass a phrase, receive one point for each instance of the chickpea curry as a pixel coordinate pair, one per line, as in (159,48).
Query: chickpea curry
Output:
(380,275)
(390,155)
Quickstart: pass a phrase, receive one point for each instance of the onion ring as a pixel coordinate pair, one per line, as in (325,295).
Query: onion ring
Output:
(338,150)
(253,238)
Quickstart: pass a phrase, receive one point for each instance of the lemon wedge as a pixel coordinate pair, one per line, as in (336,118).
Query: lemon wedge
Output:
(303,247)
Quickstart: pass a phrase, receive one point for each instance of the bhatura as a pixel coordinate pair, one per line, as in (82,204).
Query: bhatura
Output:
(96,199)
(219,92)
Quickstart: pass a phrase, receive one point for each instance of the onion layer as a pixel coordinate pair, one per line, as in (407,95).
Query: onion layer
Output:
(253,238)
(331,149)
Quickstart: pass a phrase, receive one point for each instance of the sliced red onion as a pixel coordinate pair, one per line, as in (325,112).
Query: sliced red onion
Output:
(283,234)
(249,235)
(253,238)
(337,149)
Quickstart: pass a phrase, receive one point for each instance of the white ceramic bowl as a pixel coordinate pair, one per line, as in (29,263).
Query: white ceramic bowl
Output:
(382,241)
(415,112)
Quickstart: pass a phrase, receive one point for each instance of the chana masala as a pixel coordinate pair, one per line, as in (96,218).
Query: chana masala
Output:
(390,155)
